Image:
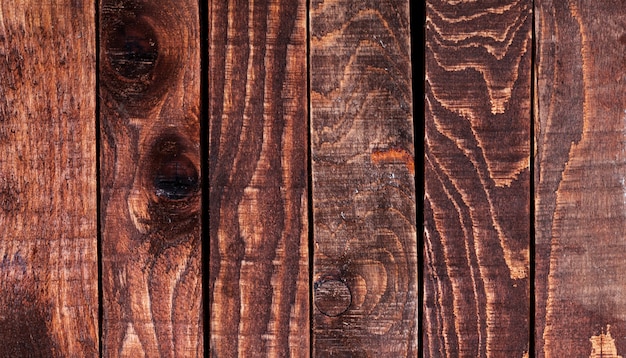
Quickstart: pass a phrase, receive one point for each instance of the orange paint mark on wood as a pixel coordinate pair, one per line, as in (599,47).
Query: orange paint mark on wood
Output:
(394,155)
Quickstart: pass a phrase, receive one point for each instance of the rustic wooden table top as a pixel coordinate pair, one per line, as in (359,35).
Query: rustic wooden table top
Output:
(232,178)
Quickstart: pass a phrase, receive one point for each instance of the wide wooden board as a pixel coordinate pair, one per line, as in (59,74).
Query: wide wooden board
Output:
(258,283)
(48,237)
(580,174)
(150,178)
(477,178)
(365,288)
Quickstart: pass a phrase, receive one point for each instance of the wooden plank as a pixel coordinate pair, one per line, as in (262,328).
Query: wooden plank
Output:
(477,178)
(258,179)
(580,178)
(150,178)
(48,237)
(365,243)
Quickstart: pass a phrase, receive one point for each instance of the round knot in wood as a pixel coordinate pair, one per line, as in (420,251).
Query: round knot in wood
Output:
(332,297)
(174,175)
(132,49)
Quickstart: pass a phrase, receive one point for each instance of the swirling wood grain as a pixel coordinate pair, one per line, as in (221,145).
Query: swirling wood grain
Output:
(476,205)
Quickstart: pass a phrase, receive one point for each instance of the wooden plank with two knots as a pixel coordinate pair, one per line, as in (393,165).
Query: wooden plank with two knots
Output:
(150,178)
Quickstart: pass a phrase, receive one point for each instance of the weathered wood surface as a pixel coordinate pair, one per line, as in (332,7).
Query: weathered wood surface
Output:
(476,173)
(259,276)
(365,249)
(48,240)
(580,190)
(150,178)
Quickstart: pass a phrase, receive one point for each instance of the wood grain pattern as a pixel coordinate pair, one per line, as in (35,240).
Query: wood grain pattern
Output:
(365,262)
(476,173)
(48,240)
(258,179)
(580,178)
(150,178)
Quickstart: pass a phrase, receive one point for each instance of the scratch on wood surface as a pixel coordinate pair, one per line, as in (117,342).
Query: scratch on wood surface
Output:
(394,155)
(603,345)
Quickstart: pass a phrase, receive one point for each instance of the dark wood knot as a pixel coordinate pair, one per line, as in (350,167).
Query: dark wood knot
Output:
(141,53)
(132,49)
(174,175)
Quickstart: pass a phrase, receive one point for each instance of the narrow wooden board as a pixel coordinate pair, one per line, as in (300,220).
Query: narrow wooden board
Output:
(477,178)
(365,245)
(580,175)
(258,179)
(150,178)
(48,237)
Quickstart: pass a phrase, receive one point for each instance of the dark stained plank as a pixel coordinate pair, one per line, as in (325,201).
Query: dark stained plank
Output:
(150,178)
(48,237)
(258,179)
(477,178)
(365,243)
(580,174)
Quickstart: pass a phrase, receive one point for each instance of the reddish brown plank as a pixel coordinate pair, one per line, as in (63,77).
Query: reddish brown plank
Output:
(48,241)
(150,178)
(365,261)
(258,179)
(579,178)
(476,173)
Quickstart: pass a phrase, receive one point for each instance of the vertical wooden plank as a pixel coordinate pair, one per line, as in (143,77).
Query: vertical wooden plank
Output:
(258,179)
(48,241)
(477,178)
(580,178)
(365,261)
(150,178)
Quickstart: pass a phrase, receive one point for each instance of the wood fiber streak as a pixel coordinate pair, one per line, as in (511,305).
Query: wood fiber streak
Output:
(258,179)
(476,174)
(580,175)
(48,241)
(150,178)
(365,263)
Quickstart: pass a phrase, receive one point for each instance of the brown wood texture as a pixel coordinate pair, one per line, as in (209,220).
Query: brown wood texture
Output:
(150,178)
(365,245)
(477,178)
(48,238)
(580,173)
(259,276)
